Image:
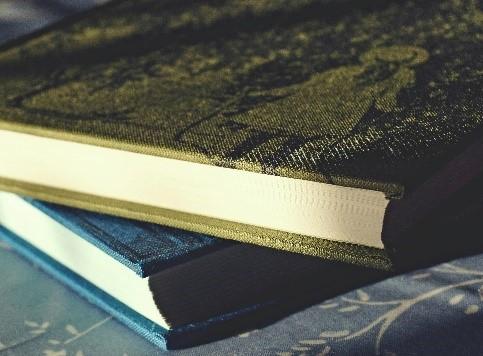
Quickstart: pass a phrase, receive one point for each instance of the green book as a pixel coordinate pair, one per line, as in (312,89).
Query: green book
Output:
(329,128)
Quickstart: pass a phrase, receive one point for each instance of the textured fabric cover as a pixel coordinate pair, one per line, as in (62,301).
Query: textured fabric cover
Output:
(145,248)
(375,94)
(379,97)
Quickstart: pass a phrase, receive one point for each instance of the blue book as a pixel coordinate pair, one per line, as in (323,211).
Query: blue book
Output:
(174,287)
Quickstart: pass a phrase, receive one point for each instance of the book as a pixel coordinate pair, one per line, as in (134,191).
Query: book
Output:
(58,307)
(294,125)
(174,287)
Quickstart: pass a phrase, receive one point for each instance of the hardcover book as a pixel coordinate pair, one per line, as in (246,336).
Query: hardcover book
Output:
(174,287)
(329,128)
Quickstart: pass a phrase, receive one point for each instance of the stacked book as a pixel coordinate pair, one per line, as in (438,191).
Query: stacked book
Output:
(198,169)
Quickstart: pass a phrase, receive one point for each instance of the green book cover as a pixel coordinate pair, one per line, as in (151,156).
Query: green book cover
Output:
(371,95)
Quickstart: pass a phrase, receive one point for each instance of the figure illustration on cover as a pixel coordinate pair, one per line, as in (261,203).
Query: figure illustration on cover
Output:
(326,107)
(327,93)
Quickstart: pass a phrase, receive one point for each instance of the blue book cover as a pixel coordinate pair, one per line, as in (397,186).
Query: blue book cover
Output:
(203,287)
(45,318)
(143,247)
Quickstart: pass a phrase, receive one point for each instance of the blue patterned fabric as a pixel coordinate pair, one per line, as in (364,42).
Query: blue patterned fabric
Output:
(143,247)
(435,311)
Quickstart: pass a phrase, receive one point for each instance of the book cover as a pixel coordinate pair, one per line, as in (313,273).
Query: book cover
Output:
(143,247)
(201,290)
(379,97)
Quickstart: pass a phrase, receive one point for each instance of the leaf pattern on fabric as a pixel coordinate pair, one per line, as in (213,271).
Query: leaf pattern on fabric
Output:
(382,322)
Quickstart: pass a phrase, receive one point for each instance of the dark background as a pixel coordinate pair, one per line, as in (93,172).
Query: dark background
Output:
(18,17)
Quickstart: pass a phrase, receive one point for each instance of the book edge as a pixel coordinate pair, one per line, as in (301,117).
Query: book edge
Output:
(143,267)
(180,337)
(392,190)
(142,326)
(331,250)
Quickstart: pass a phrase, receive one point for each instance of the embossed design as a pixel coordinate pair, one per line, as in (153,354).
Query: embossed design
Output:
(300,89)
(312,114)
(56,81)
